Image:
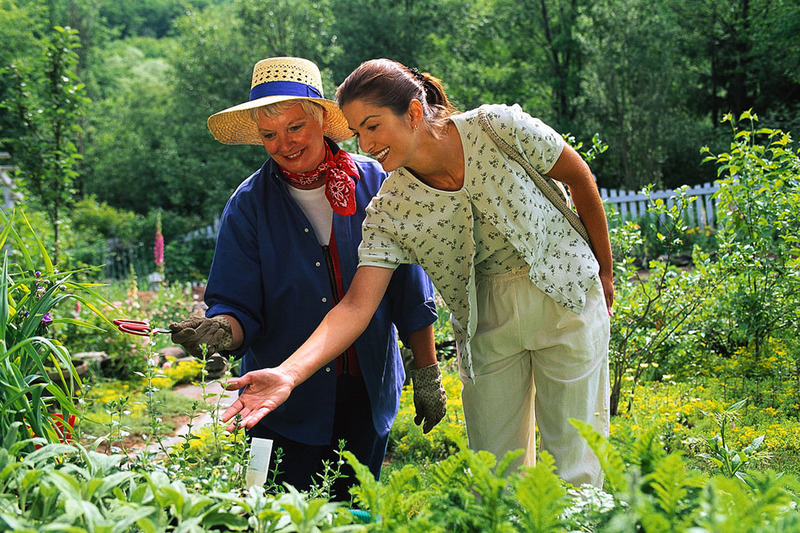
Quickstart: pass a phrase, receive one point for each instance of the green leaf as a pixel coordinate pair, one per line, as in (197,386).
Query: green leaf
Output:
(542,496)
(4,301)
(610,459)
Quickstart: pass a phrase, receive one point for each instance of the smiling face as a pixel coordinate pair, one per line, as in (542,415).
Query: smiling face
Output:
(293,139)
(384,135)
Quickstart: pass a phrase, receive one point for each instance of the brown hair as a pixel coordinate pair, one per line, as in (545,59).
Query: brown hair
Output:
(387,83)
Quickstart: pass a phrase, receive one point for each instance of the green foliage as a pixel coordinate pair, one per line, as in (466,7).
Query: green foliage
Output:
(146,18)
(29,298)
(646,490)
(758,243)
(359,38)
(468,491)
(66,488)
(619,85)
(22,23)
(407,442)
(652,78)
(48,101)
(542,497)
(650,309)
(730,462)
(548,47)
(189,260)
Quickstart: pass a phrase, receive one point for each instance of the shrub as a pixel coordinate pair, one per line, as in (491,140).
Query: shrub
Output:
(646,490)
(758,242)
(29,300)
(650,309)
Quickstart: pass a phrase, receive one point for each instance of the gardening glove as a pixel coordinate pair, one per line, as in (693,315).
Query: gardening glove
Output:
(430,399)
(214,332)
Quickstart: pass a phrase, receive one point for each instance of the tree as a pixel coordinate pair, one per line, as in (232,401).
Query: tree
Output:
(144,18)
(478,65)
(130,131)
(758,242)
(408,37)
(546,50)
(48,101)
(628,87)
(749,53)
(18,33)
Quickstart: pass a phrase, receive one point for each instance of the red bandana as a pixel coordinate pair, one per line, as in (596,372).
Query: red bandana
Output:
(340,174)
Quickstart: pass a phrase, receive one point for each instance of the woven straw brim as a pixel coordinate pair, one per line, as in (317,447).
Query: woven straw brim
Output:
(234,125)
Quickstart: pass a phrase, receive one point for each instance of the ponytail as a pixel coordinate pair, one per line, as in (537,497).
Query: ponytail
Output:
(387,83)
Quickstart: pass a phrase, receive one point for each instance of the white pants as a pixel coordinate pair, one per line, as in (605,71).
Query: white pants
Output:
(537,364)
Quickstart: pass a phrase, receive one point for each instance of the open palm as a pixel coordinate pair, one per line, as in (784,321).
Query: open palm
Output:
(264,390)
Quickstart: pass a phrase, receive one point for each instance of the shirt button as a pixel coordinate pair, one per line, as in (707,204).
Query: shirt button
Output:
(318,263)
(305,229)
(327,369)
(324,300)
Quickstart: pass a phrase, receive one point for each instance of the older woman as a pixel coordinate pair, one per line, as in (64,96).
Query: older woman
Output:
(286,253)
(530,297)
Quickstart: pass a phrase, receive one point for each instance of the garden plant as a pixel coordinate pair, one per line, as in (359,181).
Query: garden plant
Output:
(701,446)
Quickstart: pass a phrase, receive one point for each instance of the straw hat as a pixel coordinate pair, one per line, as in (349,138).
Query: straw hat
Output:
(275,80)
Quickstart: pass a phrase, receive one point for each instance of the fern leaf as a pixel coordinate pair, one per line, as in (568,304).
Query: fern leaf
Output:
(672,482)
(542,496)
(610,460)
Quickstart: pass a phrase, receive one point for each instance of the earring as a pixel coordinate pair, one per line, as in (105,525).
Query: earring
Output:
(416,127)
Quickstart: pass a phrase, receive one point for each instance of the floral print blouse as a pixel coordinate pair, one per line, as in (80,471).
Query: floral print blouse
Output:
(410,222)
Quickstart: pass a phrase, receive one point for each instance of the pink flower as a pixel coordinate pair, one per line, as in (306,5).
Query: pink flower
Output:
(158,249)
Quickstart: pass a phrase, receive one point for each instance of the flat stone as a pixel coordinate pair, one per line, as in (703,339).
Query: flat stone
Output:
(173,351)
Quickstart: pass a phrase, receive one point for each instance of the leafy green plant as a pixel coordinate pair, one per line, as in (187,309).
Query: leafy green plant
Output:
(662,494)
(731,463)
(650,308)
(758,242)
(28,301)
(47,101)
(71,488)
(646,489)
(468,491)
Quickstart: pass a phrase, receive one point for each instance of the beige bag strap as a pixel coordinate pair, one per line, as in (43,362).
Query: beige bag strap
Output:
(554,190)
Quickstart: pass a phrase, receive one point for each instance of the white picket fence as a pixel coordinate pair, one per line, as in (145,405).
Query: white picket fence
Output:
(632,205)
(209,231)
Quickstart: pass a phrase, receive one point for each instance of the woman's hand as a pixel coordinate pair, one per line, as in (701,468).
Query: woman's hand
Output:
(608,291)
(264,391)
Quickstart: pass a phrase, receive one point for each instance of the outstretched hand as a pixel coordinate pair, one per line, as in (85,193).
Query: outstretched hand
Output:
(264,391)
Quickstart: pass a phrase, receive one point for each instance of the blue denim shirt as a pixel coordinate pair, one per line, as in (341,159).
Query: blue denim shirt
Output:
(269,272)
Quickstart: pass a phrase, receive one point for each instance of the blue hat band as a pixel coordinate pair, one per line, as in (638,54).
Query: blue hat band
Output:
(284,88)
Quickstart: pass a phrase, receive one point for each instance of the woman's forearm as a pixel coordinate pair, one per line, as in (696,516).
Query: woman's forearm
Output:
(572,170)
(265,389)
(341,326)
(423,346)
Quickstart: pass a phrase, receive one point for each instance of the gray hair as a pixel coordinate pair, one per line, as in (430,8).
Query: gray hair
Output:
(312,109)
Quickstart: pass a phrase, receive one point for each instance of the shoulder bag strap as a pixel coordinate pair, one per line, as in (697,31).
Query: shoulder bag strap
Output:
(549,187)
